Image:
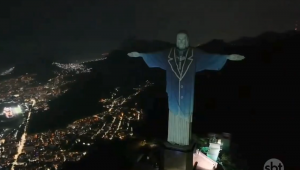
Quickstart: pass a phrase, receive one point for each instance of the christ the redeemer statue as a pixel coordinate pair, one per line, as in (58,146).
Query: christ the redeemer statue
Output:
(181,64)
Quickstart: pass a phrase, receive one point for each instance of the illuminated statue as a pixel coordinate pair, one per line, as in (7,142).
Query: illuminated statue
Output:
(181,64)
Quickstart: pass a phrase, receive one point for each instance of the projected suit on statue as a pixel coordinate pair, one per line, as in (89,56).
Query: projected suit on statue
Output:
(181,64)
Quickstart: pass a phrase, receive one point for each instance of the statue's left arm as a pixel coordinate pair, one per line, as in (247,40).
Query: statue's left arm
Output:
(207,61)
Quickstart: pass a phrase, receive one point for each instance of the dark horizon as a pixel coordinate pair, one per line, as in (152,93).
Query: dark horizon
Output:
(70,30)
(44,55)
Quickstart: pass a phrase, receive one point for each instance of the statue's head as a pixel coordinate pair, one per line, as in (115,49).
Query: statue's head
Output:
(182,40)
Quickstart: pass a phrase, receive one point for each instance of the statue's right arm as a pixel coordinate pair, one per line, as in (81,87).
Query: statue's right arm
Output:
(155,59)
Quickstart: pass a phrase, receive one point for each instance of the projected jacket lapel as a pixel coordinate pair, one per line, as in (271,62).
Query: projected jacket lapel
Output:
(173,60)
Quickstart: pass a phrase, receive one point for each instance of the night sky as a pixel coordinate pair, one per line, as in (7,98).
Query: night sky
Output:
(83,29)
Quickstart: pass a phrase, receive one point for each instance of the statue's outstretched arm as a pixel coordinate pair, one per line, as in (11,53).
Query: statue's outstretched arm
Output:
(206,61)
(155,59)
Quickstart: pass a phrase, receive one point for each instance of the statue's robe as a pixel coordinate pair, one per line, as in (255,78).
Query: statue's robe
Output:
(180,85)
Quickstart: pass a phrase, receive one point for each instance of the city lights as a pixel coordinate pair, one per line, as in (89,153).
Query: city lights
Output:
(6,72)
(77,68)
(73,67)
(33,151)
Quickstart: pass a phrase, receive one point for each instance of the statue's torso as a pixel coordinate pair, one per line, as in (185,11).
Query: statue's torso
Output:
(181,62)
(180,81)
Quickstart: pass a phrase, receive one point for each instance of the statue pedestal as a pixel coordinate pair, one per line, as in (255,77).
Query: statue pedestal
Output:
(176,157)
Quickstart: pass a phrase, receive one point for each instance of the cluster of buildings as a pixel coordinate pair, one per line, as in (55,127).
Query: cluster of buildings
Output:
(49,150)
(71,67)
(25,89)
(77,68)
(56,147)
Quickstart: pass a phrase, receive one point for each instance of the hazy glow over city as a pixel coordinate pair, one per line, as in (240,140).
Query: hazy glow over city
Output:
(33,151)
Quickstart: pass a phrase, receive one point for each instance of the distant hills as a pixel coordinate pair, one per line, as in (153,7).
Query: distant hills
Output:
(269,37)
(271,59)
(266,44)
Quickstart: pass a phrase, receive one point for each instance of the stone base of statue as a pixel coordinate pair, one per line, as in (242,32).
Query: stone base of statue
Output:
(177,157)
